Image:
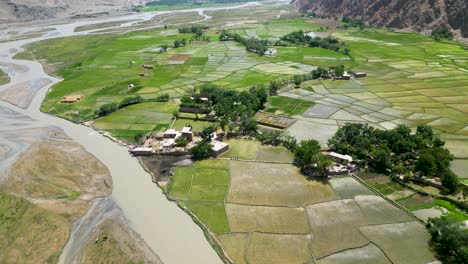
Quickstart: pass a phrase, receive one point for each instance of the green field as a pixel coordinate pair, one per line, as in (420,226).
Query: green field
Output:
(138,119)
(287,106)
(4,78)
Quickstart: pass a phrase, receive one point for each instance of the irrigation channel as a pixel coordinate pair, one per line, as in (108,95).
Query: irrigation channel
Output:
(167,230)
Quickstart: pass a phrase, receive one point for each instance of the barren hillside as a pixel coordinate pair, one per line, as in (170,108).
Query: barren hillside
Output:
(30,10)
(415,14)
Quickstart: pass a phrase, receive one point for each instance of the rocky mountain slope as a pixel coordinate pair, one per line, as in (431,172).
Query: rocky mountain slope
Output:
(30,10)
(417,15)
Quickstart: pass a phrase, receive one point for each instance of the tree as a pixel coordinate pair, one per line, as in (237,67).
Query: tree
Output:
(297,79)
(181,141)
(130,100)
(426,164)
(450,240)
(450,182)
(165,27)
(164,47)
(207,132)
(346,51)
(106,109)
(138,137)
(176,43)
(322,164)
(306,153)
(201,150)
(381,160)
(275,85)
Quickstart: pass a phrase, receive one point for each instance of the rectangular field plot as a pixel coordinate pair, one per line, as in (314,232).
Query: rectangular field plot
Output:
(369,254)
(207,193)
(244,218)
(271,153)
(242,149)
(412,240)
(347,187)
(213,163)
(335,226)
(197,126)
(181,181)
(278,249)
(235,246)
(211,176)
(274,184)
(211,214)
(376,210)
(287,106)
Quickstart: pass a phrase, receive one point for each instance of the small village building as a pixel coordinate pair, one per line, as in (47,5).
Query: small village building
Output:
(211,114)
(171,133)
(346,76)
(187,133)
(360,74)
(159,135)
(147,67)
(204,100)
(141,151)
(218,147)
(340,158)
(131,86)
(168,145)
(270,51)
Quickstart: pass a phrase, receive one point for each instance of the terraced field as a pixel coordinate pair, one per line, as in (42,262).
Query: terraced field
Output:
(269,213)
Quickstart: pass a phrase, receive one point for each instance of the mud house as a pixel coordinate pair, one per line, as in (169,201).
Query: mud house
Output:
(142,151)
(70,99)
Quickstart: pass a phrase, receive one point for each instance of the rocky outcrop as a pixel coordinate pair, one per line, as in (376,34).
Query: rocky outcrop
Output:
(417,15)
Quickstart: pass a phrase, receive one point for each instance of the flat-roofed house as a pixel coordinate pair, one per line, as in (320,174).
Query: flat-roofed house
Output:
(187,133)
(340,158)
(140,151)
(360,74)
(171,133)
(218,147)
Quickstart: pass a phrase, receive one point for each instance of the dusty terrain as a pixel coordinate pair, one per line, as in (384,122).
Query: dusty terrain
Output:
(50,186)
(30,10)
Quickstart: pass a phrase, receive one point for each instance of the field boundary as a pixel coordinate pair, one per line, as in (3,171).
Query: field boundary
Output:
(387,199)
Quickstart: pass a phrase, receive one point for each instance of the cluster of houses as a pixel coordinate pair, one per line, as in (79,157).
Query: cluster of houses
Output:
(348,76)
(164,143)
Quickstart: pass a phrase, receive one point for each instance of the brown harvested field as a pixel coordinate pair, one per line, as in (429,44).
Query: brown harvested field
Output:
(235,246)
(244,218)
(369,254)
(348,188)
(335,226)
(405,243)
(377,211)
(273,248)
(178,58)
(255,183)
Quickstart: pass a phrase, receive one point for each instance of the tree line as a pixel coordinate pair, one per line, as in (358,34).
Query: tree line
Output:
(397,151)
(258,46)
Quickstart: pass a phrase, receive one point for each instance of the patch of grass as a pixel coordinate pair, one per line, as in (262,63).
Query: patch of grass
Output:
(4,78)
(211,214)
(210,176)
(416,202)
(181,181)
(207,193)
(287,106)
(454,212)
(28,233)
(242,149)
(213,163)
(197,126)
(272,153)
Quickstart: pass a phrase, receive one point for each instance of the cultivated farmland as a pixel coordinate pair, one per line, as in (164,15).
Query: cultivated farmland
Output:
(263,212)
